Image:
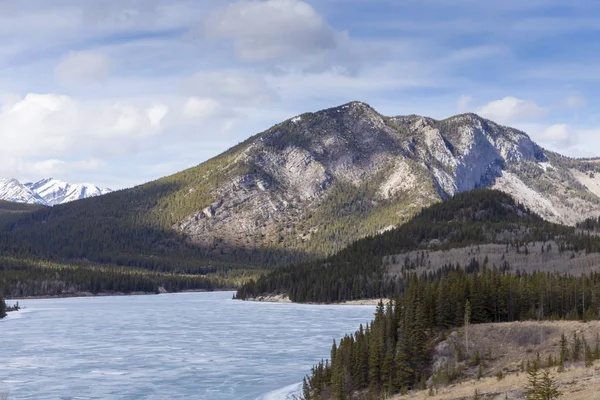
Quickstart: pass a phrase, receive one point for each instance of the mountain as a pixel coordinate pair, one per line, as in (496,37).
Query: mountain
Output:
(14,191)
(47,192)
(343,173)
(54,191)
(309,186)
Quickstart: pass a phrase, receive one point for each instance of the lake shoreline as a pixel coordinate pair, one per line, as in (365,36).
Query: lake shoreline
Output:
(114,294)
(283,299)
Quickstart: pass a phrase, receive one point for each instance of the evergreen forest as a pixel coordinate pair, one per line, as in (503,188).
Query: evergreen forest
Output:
(392,354)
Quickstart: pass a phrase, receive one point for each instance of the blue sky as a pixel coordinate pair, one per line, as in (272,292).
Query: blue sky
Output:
(119,92)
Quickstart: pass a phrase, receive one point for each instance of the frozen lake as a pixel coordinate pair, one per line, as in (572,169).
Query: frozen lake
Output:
(176,346)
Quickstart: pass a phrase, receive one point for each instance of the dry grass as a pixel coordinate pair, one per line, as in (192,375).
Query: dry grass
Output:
(503,348)
(535,260)
(576,383)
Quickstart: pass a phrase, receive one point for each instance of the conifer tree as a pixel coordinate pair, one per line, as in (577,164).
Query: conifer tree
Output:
(404,373)
(467,321)
(564,350)
(531,390)
(547,388)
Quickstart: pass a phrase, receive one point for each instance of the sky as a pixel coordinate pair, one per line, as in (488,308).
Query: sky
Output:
(120,92)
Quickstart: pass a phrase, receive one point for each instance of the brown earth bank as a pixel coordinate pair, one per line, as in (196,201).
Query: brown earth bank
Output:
(505,350)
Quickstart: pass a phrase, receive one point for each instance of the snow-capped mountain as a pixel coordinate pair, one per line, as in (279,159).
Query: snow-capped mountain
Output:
(15,191)
(54,191)
(47,192)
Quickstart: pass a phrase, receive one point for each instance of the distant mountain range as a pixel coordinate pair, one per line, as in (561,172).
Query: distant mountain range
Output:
(304,189)
(47,192)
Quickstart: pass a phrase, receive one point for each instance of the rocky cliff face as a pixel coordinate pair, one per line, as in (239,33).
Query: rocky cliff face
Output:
(321,180)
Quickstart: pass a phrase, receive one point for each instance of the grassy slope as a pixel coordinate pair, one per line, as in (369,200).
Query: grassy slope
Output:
(509,344)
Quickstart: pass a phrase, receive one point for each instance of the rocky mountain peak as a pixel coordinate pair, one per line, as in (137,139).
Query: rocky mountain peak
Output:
(360,165)
(47,191)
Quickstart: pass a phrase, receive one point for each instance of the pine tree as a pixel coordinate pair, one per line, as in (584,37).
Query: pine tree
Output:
(467,321)
(531,390)
(388,371)
(576,351)
(337,377)
(589,355)
(547,388)
(374,362)
(2,307)
(404,373)
(564,353)
(306,392)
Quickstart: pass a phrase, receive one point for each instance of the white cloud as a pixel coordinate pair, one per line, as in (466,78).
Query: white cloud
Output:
(156,113)
(511,109)
(576,101)
(196,107)
(557,133)
(48,125)
(82,68)
(464,103)
(234,86)
(55,167)
(272,30)
(566,139)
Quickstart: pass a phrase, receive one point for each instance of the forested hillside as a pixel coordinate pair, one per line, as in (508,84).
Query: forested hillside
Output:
(393,353)
(477,217)
(24,278)
(7,207)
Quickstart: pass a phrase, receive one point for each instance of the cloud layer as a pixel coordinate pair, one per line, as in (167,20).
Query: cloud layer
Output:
(272,30)
(82,68)
(119,93)
(511,109)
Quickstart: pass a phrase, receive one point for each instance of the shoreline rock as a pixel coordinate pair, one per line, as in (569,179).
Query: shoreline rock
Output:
(282,298)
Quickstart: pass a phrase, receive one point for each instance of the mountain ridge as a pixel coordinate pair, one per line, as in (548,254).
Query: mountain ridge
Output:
(47,192)
(309,186)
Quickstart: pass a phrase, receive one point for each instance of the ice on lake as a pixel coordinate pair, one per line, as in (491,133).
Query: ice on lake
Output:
(177,346)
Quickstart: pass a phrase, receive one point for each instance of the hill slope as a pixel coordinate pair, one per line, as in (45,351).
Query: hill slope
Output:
(505,347)
(8,207)
(456,232)
(308,187)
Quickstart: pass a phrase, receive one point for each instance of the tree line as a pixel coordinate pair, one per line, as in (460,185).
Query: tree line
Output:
(392,354)
(22,278)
